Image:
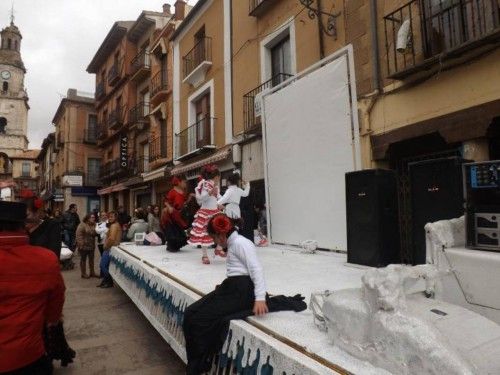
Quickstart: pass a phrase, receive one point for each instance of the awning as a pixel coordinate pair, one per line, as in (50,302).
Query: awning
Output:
(454,127)
(133,181)
(111,189)
(153,175)
(219,155)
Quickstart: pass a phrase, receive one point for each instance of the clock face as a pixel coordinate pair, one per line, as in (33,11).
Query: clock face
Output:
(5,74)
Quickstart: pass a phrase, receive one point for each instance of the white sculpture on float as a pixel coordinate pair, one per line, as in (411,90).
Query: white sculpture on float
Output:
(385,324)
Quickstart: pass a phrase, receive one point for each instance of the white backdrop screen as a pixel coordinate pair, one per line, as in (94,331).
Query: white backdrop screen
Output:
(309,147)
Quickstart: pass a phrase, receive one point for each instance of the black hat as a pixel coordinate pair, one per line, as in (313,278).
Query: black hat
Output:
(12,211)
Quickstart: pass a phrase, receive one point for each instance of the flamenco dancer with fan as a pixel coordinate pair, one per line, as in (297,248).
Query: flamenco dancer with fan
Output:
(241,294)
(207,193)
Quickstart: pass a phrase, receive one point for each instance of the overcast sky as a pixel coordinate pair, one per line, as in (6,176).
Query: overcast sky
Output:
(60,37)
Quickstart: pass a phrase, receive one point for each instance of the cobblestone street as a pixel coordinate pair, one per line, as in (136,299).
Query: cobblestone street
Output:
(109,334)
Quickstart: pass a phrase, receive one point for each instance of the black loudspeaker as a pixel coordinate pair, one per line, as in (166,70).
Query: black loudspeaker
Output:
(372,218)
(436,194)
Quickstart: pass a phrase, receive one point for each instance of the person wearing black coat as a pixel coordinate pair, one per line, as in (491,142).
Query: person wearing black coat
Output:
(70,222)
(42,230)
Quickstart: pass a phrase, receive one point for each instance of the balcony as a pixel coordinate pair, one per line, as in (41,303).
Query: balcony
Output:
(100,91)
(140,66)
(141,165)
(102,131)
(113,170)
(258,7)
(115,118)
(93,179)
(114,73)
(159,88)
(424,34)
(197,62)
(157,150)
(139,115)
(196,139)
(252,103)
(90,135)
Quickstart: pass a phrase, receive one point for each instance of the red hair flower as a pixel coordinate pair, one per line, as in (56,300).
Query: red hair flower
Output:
(176,181)
(38,203)
(222,224)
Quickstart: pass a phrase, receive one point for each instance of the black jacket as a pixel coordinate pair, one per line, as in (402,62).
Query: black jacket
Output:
(70,221)
(48,235)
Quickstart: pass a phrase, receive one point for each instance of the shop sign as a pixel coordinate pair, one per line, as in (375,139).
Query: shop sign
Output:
(72,180)
(124,151)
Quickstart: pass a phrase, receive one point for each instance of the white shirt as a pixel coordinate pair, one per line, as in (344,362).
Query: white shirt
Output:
(102,230)
(231,199)
(242,261)
(203,197)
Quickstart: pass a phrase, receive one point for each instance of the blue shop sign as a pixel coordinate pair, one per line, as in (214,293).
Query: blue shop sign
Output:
(83,191)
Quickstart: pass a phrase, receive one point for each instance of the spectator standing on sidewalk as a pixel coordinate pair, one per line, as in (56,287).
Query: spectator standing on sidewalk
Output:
(124,221)
(102,231)
(85,243)
(113,238)
(31,300)
(70,223)
(140,225)
(42,230)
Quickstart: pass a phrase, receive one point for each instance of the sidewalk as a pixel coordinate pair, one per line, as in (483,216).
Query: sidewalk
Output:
(109,334)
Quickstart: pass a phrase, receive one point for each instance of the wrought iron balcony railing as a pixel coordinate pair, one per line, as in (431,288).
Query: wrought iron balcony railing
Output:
(141,62)
(93,178)
(90,135)
(423,32)
(102,131)
(196,137)
(114,73)
(251,105)
(141,165)
(100,90)
(115,118)
(157,149)
(202,51)
(158,84)
(139,114)
(114,169)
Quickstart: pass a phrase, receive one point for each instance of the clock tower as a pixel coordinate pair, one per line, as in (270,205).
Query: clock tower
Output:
(13,97)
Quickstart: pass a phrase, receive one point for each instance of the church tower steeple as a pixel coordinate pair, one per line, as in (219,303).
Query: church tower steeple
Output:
(13,97)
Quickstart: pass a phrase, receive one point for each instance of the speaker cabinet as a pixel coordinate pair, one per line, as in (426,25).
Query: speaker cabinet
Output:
(372,218)
(436,194)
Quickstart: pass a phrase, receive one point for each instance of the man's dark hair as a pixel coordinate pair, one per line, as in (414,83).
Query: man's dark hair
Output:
(234,179)
(72,205)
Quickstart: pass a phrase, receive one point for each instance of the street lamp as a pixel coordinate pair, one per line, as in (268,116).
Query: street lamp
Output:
(316,12)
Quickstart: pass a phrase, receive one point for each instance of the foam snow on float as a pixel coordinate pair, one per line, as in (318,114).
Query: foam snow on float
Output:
(391,323)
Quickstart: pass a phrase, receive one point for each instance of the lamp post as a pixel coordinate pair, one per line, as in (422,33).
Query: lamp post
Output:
(314,11)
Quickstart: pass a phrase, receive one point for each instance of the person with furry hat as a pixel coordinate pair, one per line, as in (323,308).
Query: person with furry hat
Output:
(31,294)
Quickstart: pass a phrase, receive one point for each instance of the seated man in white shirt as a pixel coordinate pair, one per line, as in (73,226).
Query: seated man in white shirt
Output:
(243,289)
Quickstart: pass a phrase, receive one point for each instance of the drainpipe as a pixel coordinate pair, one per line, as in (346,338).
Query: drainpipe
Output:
(320,33)
(375,46)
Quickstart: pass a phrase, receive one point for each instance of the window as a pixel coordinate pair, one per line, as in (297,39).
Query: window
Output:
(203,121)
(281,60)
(278,55)
(15,45)
(92,128)
(9,43)
(26,169)
(93,170)
(3,124)
(5,86)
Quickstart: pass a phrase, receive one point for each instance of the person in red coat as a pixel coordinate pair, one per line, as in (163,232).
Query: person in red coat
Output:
(31,295)
(172,221)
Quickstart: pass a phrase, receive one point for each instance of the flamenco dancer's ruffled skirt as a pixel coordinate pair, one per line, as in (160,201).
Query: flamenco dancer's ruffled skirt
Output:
(198,234)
